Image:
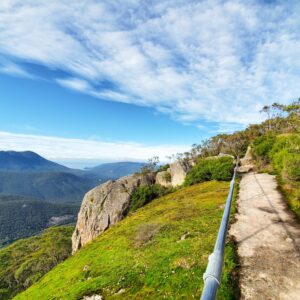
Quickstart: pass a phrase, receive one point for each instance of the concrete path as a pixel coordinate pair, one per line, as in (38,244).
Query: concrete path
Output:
(268,238)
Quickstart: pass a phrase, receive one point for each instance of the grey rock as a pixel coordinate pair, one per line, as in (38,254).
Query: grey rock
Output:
(104,206)
(178,172)
(161,178)
(93,297)
(246,162)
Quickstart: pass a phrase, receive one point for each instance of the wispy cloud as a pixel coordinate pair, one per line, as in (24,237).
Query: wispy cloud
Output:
(213,60)
(67,149)
(14,69)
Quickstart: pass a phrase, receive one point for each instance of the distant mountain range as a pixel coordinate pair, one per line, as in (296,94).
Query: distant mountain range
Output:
(36,193)
(27,161)
(29,174)
(115,170)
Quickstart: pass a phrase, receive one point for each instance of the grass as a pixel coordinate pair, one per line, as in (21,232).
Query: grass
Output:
(24,262)
(158,252)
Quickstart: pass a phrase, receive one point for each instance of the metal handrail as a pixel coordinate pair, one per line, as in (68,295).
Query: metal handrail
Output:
(212,275)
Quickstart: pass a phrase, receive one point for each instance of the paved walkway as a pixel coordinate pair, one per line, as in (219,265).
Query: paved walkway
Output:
(268,238)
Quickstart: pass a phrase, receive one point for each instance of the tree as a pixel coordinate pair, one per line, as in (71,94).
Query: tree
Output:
(151,165)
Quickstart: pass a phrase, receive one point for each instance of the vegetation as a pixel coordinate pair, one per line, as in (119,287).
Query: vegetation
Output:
(210,169)
(160,252)
(281,155)
(163,168)
(26,261)
(146,193)
(47,186)
(21,217)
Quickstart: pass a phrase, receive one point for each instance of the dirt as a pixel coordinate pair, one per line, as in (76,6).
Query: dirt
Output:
(268,239)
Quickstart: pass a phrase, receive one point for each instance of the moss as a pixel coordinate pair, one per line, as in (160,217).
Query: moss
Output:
(145,255)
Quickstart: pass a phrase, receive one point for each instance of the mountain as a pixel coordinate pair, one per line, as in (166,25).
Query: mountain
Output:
(115,170)
(43,185)
(29,174)
(36,193)
(28,161)
(22,217)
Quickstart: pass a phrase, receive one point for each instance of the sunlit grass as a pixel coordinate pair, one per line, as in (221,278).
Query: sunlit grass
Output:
(158,252)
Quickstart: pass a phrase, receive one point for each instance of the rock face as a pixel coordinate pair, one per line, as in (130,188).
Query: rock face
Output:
(109,202)
(246,162)
(163,178)
(178,171)
(104,206)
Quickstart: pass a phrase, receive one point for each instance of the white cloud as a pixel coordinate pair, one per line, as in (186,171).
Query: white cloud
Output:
(14,69)
(214,60)
(67,149)
(75,84)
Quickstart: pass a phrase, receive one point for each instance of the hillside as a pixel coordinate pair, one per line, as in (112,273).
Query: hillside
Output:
(27,161)
(115,170)
(159,252)
(25,261)
(21,217)
(51,186)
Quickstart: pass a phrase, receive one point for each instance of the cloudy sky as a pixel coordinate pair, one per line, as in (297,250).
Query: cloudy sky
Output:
(114,80)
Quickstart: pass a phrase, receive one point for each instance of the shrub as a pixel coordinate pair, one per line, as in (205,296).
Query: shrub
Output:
(167,177)
(163,168)
(285,152)
(146,193)
(291,166)
(262,146)
(210,169)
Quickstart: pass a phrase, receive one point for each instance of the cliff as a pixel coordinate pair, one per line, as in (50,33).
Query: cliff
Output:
(108,203)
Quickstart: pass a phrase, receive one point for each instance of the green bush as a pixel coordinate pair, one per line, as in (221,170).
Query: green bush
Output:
(163,168)
(210,169)
(146,193)
(291,167)
(167,177)
(262,146)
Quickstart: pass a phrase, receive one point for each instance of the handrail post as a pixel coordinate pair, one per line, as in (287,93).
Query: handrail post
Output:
(212,275)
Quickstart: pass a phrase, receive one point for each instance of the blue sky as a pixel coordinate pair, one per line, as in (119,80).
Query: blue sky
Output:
(82,81)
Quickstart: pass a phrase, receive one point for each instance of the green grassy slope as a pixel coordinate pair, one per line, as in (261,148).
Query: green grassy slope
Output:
(159,252)
(26,261)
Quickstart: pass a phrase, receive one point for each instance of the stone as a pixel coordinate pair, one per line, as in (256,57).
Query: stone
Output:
(162,178)
(104,206)
(178,172)
(93,297)
(246,162)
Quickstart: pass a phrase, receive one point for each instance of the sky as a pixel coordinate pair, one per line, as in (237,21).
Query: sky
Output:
(83,82)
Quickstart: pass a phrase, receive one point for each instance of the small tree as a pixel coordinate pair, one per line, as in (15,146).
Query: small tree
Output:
(151,165)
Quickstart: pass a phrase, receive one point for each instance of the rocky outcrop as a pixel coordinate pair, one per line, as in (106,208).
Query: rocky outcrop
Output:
(104,206)
(163,178)
(178,171)
(109,202)
(246,162)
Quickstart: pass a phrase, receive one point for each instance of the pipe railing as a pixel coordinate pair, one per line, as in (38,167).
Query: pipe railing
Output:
(212,275)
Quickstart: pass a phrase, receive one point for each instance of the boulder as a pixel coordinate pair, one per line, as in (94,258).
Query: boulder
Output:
(246,162)
(225,155)
(178,172)
(104,206)
(162,178)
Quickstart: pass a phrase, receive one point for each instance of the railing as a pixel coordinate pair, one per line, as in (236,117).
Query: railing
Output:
(212,275)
